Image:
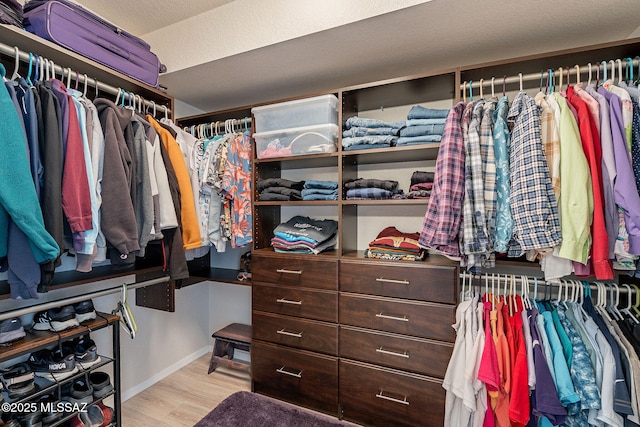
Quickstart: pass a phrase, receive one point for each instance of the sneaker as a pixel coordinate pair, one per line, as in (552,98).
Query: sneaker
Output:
(56,319)
(101,384)
(79,391)
(84,350)
(18,380)
(52,365)
(93,417)
(85,311)
(11,330)
(107,412)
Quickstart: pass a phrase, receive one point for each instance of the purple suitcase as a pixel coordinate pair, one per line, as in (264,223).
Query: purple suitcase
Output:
(73,27)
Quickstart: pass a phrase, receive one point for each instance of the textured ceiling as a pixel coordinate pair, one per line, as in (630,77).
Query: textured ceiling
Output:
(143,16)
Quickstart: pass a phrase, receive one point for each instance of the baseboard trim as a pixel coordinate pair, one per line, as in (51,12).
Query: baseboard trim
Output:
(129,393)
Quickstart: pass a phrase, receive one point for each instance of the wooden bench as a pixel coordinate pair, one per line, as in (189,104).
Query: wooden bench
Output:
(227,339)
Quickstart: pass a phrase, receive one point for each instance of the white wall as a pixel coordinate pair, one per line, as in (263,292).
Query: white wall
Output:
(165,342)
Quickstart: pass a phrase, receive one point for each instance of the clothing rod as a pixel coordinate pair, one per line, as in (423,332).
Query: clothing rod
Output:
(74,300)
(91,82)
(518,280)
(584,70)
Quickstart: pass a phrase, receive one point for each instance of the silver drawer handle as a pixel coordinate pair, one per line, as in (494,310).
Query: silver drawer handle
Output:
(291,374)
(286,301)
(382,396)
(282,270)
(392,353)
(400,282)
(401,319)
(291,334)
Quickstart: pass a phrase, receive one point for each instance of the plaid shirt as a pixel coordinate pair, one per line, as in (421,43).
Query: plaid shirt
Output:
(533,204)
(442,220)
(474,225)
(550,141)
(489,177)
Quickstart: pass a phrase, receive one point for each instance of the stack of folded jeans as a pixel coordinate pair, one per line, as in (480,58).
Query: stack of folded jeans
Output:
(395,245)
(11,13)
(373,189)
(320,190)
(279,189)
(363,134)
(421,185)
(424,126)
(304,235)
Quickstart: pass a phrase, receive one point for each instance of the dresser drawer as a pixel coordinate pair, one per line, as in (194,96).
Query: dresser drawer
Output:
(307,271)
(377,396)
(308,303)
(401,280)
(417,318)
(295,332)
(395,351)
(296,376)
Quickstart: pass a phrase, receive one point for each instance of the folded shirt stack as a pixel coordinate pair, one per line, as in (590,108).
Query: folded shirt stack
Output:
(393,244)
(320,190)
(363,133)
(373,189)
(421,185)
(424,126)
(279,189)
(304,235)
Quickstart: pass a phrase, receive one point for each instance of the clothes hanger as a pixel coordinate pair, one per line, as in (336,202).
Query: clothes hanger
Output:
(551,81)
(84,91)
(470,90)
(504,85)
(520,77)
(627,309)
(118,96)
(619,63)
(561,71)
(617,303)
(636,304)
(577,67)
(589,81)
(15,74)
(29,70)
(464,91)
(493,87)
(464,279)
(604,71)
(481,91)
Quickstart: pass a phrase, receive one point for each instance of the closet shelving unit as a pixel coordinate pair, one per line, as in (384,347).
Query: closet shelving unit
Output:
(158,296)
(37,340)
(362,339)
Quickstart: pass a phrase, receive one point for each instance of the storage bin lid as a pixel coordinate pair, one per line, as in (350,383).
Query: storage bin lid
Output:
(331,99)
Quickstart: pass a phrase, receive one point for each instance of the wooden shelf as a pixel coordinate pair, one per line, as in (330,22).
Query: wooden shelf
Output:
(301,162)
(222,275)
(391,155)
(36,340)
(297,203)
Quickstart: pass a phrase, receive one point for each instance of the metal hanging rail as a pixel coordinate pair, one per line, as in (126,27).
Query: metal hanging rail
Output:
(589,69)
(79,298)
(84,79)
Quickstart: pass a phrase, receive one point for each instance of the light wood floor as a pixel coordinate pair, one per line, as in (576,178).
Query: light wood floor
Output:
(184,397)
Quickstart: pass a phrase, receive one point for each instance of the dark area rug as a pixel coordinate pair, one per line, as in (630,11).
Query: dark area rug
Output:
(246,409)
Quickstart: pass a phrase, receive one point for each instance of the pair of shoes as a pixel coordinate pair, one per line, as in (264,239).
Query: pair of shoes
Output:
(11,330)
(65,317)
(84,350)
(83,390)
(52,364)
(56,319)
(28,419)
(18,380)
(97,415)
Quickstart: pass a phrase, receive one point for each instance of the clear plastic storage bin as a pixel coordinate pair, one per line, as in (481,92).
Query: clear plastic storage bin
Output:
(293,114)
(297,141)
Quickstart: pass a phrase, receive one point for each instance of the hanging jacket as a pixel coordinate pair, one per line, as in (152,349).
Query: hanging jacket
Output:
(188,217)
(18,199)
(118,221)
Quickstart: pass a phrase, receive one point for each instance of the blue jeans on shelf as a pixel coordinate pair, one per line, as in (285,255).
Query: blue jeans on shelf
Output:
(420,112)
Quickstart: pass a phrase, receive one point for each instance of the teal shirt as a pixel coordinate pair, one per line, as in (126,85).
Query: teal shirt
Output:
(501,139)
